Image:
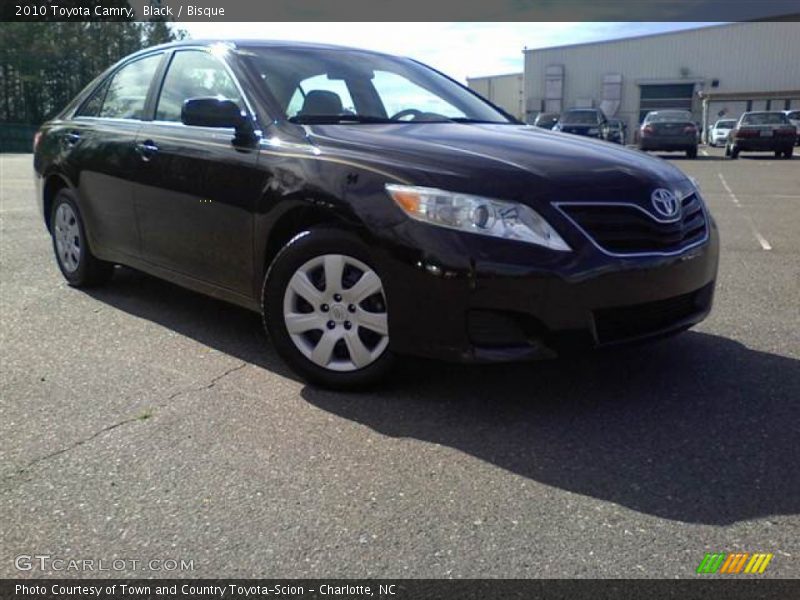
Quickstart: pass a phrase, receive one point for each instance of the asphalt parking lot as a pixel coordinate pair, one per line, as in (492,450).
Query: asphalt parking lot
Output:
(142,421)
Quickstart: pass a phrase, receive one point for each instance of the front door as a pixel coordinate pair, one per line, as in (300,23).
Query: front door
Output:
(197,191)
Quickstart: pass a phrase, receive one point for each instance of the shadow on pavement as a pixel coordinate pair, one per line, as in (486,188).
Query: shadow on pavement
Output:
(230,329)
(697,428)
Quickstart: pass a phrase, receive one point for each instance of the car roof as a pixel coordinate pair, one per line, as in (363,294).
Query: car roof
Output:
(243,43)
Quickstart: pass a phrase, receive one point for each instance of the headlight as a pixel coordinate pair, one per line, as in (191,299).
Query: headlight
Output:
(474,214)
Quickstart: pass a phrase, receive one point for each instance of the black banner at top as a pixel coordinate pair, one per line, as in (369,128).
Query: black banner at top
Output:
(399,10)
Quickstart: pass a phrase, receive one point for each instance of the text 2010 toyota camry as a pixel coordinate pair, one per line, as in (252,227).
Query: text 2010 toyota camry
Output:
(369,207)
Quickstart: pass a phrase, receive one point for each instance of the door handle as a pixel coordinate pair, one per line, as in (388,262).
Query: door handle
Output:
(146,149)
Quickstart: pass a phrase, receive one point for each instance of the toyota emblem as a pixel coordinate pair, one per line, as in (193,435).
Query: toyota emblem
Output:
(665,203)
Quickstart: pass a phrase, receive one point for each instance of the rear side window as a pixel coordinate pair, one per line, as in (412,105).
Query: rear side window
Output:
(93,106)
(127,92)
(764,119)
(194,74)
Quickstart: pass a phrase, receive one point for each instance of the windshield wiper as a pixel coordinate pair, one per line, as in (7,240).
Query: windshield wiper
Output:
(323,119)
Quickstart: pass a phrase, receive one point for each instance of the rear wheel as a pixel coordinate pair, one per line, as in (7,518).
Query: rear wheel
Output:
(734,152)
(787,154)
(692,152)
(325,309)
(778,153)
(79,266)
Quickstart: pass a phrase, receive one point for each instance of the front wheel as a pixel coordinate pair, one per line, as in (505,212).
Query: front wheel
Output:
(691,152)
(734,152)
(79,266)
(326,311)
(787,154)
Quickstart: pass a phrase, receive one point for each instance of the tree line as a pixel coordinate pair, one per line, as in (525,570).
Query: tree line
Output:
(44,65)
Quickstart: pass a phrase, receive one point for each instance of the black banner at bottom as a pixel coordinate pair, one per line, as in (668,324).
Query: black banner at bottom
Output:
(400,589)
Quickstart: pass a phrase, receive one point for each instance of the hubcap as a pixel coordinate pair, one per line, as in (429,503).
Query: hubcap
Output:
(68,238)
(334,309)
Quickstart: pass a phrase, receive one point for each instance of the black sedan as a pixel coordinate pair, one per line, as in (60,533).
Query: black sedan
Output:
(669,130)
(762,132)
(368,207)
(589,122)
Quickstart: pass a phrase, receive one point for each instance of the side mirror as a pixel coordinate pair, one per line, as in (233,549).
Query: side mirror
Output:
(212,112)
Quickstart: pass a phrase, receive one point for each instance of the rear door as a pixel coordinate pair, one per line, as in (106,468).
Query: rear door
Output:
(196,191)
(100,144)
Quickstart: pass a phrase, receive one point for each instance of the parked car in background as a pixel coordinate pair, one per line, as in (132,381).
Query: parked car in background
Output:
(669,130)
(762,131)
(794,118)
(617,131)
(718,133)
(546,120)
(589,122)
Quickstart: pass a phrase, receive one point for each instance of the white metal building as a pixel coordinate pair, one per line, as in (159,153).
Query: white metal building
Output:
(712,71)
(505,91)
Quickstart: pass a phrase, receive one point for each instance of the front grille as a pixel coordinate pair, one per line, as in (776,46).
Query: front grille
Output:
(626,229)
(637,320)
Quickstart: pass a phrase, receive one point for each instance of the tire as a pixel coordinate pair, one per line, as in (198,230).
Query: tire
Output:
(691,152)
(734,152)
(339,340)
(78,265)
(778,153)
(787,154)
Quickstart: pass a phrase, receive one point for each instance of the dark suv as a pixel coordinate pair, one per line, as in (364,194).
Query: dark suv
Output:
(368,207)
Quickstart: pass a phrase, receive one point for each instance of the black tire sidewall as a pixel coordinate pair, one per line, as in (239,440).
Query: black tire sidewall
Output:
(297,252)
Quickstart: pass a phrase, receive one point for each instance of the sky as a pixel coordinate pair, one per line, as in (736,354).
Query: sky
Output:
(460,50)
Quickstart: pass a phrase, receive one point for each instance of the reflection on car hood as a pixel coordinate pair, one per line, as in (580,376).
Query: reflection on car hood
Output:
(501,160)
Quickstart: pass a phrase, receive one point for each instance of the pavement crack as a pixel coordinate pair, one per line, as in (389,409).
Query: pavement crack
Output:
(210,384)
(77,444)
(96,434)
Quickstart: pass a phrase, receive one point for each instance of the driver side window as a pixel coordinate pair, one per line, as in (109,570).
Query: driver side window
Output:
(194,74)
(398,94)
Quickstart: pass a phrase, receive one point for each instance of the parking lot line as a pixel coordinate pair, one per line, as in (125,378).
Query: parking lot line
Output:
(729,190)
(765,245)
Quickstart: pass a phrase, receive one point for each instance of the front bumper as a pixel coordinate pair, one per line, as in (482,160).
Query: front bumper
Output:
(471,298)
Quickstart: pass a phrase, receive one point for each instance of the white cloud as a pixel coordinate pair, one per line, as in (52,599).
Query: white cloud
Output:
(460,50)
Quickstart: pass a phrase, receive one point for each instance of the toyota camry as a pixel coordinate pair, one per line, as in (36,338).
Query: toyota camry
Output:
(369,207)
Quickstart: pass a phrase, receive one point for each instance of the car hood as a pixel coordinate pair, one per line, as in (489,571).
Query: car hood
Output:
(516,162)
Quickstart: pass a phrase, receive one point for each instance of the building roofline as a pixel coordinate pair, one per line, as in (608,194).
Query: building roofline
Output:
(639,37)
(478,77)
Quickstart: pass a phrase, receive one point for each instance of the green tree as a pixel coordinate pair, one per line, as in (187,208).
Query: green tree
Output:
(43,65)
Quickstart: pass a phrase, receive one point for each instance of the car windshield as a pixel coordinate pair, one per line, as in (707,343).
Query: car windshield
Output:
(667,117)
(773,118)
(583,117)
(546,119)
(313,85)
(794,115)
(725,124)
